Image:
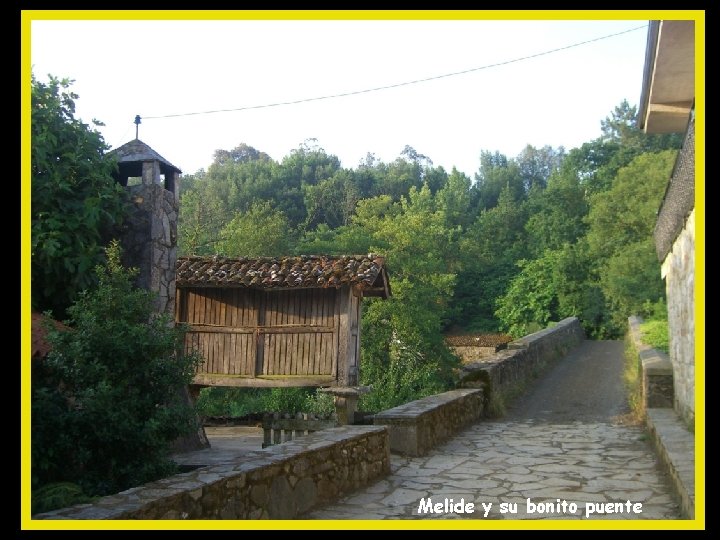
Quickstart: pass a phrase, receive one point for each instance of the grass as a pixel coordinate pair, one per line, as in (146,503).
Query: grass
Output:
(655,334)
(633,384)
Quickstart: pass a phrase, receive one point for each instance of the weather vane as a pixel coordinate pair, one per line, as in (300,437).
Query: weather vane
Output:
(137,125)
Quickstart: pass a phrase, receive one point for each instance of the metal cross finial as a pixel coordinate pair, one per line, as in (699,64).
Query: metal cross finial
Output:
(137,125)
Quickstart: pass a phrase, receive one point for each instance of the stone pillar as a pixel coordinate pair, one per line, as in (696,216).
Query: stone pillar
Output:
(150,242)
(346,401)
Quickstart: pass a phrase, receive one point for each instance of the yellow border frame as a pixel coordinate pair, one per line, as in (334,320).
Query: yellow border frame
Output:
(28,16)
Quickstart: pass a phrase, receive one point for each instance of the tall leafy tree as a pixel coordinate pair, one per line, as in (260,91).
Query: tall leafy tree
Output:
(621,222)
(262,231)
(490,249)
(455,199)
(403,353)
(497,173)
(76,204)
(538,164)
(331,201)
(556,214)
(555,285)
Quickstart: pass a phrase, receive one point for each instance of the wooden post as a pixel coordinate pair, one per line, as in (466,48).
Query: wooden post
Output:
(343,356)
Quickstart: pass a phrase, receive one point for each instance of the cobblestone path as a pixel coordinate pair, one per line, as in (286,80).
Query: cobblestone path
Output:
(573,468)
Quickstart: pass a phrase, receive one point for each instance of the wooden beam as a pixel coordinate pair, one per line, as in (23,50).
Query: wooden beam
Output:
(285,329)
(264,381)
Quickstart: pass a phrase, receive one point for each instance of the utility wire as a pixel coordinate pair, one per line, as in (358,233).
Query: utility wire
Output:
(398,85)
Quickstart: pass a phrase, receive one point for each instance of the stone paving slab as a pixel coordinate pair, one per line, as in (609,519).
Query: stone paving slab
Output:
(521,464)
(676,447)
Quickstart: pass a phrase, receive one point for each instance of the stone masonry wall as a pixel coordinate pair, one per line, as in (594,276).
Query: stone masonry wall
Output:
(469,354)
(150,241)
(525,358)
(656,372)
(678,270)
(418,426)
(279,482)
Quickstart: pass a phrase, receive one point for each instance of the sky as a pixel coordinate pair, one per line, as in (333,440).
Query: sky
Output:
(157,68)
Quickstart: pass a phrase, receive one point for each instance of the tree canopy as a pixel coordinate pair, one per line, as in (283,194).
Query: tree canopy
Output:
(549,225)
(76,204)
(530,239)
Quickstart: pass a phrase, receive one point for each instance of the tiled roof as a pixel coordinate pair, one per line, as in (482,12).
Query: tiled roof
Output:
(364,272)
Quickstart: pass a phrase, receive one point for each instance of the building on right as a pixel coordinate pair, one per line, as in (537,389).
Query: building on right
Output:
(667,105)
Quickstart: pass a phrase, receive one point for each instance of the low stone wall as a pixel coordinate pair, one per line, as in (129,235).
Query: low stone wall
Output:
(419,425)
(673,442)
(503,374)
(656,371)
(469,354)
(279,482)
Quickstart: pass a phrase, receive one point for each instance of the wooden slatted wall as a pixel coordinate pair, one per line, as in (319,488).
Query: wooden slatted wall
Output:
(298,331)
(252,333)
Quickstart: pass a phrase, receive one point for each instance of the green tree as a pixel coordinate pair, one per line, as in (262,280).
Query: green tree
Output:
(626,213)
(76,205)
(556,214)
(455,200)
(621,223)
(105,403)
(262,231)
(403,354)
(331,201)
(242,153)
(555,285)
(538,164)
(200,220)
(489,250)
(530,302)
(496,174)
(597,162)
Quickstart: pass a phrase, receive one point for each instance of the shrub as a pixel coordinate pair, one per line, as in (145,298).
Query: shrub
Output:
(57,495)
(655,334)
(107,401)
(404,376)
(238,402)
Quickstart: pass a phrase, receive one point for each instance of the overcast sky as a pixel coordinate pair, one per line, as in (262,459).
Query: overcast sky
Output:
(157,68)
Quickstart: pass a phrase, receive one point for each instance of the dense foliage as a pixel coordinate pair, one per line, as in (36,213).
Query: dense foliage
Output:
(239,402)
(529,240)
(106,403)
(76,204)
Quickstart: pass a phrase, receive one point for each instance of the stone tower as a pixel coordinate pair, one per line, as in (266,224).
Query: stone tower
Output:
(150,240)
(150,243)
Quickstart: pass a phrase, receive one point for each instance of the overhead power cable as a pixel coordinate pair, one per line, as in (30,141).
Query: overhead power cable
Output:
(398,85)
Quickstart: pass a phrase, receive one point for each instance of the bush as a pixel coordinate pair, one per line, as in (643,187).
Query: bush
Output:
(107,403)
(655,334)
(57,495)
(405,376)
(239,402)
